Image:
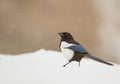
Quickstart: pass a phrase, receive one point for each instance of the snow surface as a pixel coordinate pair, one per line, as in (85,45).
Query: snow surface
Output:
(45,67)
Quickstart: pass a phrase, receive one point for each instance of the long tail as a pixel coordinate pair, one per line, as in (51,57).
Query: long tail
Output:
(98,59)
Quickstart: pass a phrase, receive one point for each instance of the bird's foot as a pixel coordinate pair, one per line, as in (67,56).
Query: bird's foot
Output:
(64,65)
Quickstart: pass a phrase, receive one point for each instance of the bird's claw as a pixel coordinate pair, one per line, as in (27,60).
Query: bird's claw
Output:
(64,65)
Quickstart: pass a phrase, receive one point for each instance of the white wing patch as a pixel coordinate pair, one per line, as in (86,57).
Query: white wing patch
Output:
(66,52)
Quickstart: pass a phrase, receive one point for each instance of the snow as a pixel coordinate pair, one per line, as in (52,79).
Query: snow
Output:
(45,67)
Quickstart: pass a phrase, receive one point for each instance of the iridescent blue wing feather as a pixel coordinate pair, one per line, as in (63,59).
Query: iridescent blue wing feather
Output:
(78,48)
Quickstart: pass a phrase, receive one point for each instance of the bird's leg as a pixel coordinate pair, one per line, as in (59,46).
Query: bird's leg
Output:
(66,64)
(79,64)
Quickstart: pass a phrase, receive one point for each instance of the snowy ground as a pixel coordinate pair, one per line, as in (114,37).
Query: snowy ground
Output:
(45,67)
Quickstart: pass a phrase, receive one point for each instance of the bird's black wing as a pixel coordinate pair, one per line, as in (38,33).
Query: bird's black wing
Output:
(78,48)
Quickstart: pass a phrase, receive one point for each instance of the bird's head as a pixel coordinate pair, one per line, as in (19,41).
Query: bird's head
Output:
(65,36)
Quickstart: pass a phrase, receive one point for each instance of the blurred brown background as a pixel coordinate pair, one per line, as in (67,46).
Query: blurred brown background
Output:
(29,25)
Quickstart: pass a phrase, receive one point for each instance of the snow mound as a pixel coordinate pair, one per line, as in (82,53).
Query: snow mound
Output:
(45,67)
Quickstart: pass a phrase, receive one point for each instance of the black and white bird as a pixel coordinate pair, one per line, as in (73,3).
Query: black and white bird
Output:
(73,51)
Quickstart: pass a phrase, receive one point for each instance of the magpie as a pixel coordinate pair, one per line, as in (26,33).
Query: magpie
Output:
(74,51)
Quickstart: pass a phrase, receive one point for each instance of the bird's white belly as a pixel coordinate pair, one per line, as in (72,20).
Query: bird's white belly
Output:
(66,52)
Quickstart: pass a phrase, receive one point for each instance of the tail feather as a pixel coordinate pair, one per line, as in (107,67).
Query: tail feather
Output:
(98,59)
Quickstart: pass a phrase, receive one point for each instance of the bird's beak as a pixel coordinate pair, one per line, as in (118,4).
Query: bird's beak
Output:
(60,34)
